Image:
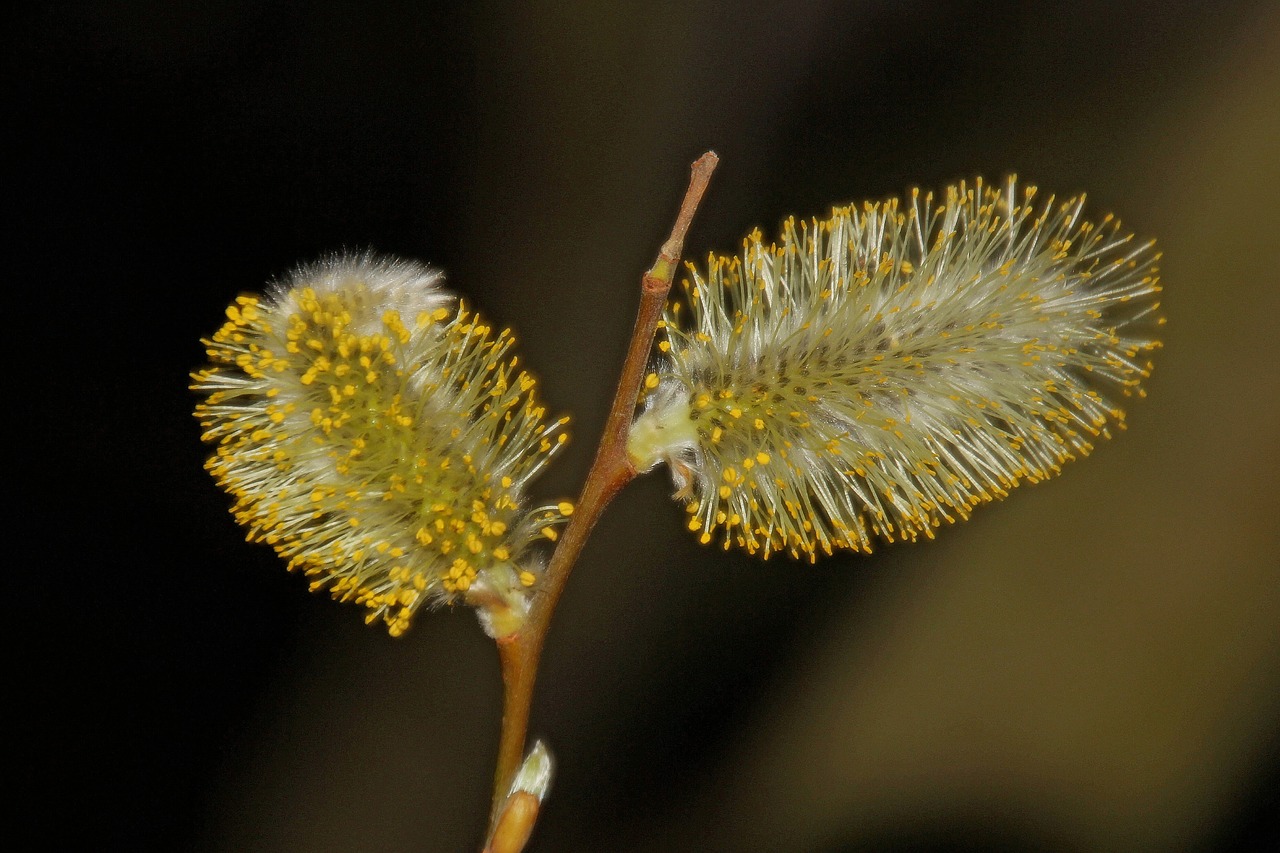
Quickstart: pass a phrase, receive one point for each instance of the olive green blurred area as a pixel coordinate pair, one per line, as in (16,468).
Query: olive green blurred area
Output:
(1092,664)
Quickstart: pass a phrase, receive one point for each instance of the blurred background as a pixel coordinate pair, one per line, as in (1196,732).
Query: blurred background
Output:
(1093,664)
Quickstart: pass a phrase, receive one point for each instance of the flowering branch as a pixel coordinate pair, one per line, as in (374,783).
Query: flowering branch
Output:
(865,377)
(610,471)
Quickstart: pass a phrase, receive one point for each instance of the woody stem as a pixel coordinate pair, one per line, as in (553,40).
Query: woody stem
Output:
(611,470)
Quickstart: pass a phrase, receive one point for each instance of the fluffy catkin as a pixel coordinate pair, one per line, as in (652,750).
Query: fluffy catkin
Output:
(379,437)
(889,368)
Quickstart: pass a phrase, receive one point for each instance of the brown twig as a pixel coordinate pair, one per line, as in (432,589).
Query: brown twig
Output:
(610,471)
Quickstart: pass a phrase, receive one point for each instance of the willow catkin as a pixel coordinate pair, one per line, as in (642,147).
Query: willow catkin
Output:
(887,369)
(380,436)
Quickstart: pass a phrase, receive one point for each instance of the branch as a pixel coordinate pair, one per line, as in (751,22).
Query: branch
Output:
(610,471)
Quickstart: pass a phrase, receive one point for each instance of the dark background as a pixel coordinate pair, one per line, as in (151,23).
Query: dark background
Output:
(1093,664)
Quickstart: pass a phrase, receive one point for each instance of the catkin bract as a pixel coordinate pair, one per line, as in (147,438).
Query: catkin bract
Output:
(887,369)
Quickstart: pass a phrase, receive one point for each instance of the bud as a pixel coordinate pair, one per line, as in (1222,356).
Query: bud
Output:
(520,810)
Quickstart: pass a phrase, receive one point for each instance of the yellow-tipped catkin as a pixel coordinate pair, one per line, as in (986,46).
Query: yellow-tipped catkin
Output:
(887,369)
(379,436)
